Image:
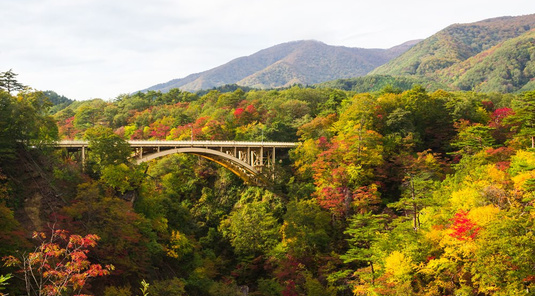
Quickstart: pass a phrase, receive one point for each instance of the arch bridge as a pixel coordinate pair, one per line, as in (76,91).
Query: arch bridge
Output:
(251,161)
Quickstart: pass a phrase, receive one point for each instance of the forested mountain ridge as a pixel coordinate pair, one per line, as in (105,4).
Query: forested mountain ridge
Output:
(506,67)
(299,62)
(453,55)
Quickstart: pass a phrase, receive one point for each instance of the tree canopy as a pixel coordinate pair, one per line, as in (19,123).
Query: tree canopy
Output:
(388,193)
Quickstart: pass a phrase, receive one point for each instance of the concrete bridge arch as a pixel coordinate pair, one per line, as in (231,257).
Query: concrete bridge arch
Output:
(242,169)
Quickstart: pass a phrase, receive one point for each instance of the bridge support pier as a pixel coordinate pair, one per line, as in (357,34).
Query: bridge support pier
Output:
(83,155)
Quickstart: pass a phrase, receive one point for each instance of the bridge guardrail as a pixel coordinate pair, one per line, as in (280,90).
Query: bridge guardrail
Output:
(141,143)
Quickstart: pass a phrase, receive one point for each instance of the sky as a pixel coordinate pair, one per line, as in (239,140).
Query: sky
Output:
(85,49)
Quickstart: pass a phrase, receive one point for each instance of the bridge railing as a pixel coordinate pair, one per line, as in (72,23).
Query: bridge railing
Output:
(151,143)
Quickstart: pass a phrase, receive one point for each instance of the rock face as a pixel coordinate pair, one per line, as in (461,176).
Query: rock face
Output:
(39,197)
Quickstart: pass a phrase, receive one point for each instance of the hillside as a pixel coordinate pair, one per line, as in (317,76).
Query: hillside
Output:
(506,67)
(453,55)
(456,43)
(298,62)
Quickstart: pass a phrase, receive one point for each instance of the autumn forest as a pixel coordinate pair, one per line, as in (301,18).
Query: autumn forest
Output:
(391,192)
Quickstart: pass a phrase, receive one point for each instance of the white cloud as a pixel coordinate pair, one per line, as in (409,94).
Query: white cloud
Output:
(99,48)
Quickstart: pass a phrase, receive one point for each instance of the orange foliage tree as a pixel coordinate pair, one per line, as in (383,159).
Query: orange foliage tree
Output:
(59,264)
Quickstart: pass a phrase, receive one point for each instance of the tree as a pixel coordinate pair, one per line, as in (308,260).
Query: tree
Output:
(8,137)
(32,119)
(524,108)
(251,229)
(11,233)
(425,114)
(9,82)
(502,263)
(59,264)
(3,282)
(422,175)
(364,230)
(106,147)
(502,131)
(463,228)
(124,233)
(473,138)
(89,114)
(122,177)
(347,167)
(25,120)
(305,229)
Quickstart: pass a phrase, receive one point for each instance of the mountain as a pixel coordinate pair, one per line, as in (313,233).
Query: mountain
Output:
(491,55)
(298,62)
(506,67)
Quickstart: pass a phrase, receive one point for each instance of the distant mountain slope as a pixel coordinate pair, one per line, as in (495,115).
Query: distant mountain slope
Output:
(506,67)
(298,62)
(456,44)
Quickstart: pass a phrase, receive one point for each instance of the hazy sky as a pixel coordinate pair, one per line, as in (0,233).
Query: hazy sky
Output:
(86,49)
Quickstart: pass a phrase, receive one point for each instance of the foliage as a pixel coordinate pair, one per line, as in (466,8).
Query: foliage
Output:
(251,229)
(123,233)
(171,287)
(123,178)
(506,67)
(59,264)
(382,83)
(473,138)
(9,83)
(364,231)
(463,227)
(422,175)
(395,192)
(3,282)
(524,116)
(58,102)
(144,288)
(347,167)
(306,229)
(107,149)
(24,120)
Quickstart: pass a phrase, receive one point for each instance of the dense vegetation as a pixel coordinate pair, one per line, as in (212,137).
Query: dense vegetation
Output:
(507,67)
(494,55)
(389,193)
(378,83)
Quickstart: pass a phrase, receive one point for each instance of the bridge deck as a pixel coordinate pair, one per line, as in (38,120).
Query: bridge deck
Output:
(206,144)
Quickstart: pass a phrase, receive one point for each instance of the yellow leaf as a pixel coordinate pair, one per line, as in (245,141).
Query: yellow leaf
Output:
(483,215)
(399,266)
(520,179)
(466,198)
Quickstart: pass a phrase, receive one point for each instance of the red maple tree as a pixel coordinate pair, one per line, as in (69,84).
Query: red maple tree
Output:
(463,227)
(59,264)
